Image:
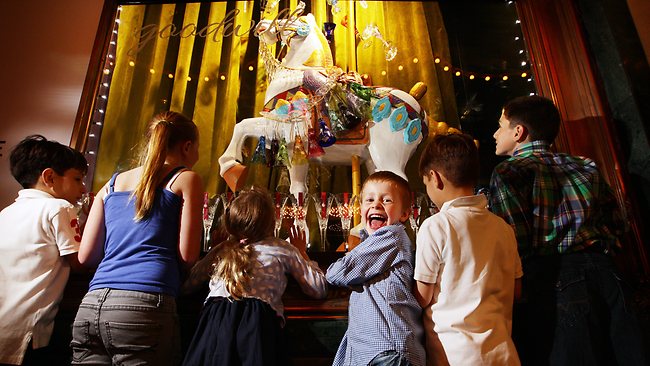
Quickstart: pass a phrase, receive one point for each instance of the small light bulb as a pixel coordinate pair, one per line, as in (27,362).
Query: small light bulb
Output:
(487,78)
(400,67)
(471,77)
(189,78)
(523,74)
(517,38)
(523,63)
(436,60)
(170,75)
(206,78)
(131,63)
(505,77)
(250,68)
(107,71)
(457,73)
(446,68)
(152,71)
(383,72)
(415,60)
(222,77)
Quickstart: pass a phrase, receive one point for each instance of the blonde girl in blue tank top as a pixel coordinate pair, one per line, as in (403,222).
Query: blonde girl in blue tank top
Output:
(143,230)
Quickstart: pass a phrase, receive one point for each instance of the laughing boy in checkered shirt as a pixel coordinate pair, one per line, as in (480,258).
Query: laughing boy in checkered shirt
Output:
(384,326)
(566,222)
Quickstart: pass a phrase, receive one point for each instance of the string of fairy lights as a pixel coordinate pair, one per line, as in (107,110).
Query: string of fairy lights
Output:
(100,103)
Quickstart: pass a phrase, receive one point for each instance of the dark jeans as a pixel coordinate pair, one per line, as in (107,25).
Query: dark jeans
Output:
(389,358)
(576,312)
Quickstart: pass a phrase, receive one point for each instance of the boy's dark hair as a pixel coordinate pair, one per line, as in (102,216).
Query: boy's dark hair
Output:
(538,114)
(35,153)
(453,155)
(400,183)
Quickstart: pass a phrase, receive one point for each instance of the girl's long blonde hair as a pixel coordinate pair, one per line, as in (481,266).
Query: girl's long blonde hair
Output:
(248,219)
(166,129)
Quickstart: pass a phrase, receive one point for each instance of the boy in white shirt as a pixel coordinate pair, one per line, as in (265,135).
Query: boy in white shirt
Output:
(40,240)
(466,263)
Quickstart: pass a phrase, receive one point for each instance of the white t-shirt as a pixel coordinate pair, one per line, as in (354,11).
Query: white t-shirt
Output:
(37,230)
(471,256)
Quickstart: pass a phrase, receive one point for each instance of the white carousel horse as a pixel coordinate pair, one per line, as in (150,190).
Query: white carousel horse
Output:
(309,52)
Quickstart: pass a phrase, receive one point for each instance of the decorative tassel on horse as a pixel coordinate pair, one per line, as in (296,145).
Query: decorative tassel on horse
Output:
(259,156)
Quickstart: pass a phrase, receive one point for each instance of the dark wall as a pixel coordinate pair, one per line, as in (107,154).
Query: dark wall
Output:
(625,79)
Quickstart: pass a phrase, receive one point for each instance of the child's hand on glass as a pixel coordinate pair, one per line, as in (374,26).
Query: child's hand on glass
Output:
(297,239)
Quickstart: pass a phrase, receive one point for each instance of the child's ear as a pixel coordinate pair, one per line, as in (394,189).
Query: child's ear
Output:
(437,179)
(47,176)
(187,146)
(521,133)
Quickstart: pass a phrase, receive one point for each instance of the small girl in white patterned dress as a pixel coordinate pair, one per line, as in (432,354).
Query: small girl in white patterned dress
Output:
(242,320)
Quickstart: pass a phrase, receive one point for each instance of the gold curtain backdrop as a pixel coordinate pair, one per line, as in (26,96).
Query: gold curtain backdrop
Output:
(164,61)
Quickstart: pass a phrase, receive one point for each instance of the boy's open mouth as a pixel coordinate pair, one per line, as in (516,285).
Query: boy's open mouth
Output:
(375,221)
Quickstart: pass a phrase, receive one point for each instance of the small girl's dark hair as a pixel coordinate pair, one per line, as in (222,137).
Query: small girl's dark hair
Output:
(248,219)
(35,153)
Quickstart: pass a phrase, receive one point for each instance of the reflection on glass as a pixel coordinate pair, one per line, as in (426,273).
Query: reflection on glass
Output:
(209,209)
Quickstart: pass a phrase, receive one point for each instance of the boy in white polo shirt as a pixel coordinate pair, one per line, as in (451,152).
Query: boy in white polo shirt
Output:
(466,263)
(40,240)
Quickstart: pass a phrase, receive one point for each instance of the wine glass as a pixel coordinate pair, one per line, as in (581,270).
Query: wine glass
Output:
(323,205)
(300,206)
(372,31)
(416,212)
(347,207)
(280,202)
(209,209)
(83,208)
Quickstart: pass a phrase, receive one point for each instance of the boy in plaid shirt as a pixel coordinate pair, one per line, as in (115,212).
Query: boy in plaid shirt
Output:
(566,221)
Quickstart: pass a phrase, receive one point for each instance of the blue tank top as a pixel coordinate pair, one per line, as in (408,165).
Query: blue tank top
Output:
(140,255)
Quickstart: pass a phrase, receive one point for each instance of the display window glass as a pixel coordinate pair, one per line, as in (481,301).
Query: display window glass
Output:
(219,63)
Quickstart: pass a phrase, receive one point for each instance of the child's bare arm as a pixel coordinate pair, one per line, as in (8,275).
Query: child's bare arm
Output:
(424,293)
(91,250)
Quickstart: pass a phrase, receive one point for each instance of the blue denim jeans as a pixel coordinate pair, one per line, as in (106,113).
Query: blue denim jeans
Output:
(389,358)
(126,328)
(576,313)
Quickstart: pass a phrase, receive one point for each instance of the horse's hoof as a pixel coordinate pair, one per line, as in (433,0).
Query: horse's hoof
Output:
(235,177)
